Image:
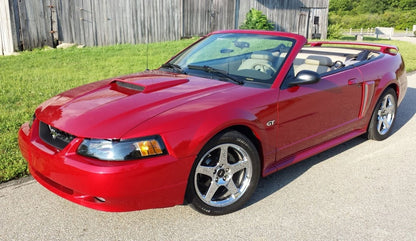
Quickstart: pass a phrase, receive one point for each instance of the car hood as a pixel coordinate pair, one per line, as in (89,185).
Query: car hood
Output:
(110,108)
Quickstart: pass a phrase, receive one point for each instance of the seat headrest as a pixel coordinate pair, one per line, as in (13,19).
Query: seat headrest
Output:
(264,55)
(318,60)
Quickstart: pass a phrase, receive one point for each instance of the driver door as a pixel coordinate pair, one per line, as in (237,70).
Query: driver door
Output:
(309,115)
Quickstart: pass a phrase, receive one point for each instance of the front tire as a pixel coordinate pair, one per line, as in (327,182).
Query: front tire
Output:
(225,174)
(384,116)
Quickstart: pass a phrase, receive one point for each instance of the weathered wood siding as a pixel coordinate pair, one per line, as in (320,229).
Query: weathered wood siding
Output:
(104,22)
(204,16)
(294,16)
(29,24)
(196,17)
(35,23)
(6,38)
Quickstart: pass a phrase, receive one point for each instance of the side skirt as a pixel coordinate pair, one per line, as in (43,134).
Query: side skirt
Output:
(302,155)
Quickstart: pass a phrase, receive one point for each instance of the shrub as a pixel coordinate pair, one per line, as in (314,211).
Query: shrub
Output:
(255,19)
(334,31)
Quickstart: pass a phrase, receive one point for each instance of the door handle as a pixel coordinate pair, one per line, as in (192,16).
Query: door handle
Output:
(353,81)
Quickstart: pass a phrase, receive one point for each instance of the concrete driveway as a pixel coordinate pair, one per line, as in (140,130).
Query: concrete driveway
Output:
(360,190)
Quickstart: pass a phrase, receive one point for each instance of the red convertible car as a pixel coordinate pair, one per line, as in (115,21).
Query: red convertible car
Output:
(208,124)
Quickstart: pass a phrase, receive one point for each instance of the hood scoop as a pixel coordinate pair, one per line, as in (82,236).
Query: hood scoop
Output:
(145,85)
(126,87)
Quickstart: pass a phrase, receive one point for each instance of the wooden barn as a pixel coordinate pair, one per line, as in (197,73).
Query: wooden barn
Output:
(306,17)
(29,24)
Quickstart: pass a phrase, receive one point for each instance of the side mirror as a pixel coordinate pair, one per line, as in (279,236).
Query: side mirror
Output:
(305,77)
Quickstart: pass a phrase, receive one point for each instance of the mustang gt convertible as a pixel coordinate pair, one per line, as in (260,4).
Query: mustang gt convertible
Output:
(202,129)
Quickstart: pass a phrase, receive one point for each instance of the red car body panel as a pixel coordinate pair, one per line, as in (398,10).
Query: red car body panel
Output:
(288,125)
(81,180)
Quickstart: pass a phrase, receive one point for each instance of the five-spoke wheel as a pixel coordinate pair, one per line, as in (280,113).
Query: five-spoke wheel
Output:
(383,116)
(225,174)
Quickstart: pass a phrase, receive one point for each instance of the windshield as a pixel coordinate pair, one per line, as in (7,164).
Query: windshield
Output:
(245,57)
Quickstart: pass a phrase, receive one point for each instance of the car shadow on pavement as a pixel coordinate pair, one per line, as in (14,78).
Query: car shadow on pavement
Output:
(274,182)
(280,179)
(406,110)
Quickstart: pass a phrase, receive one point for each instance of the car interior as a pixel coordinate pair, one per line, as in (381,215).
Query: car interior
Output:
(324,60)
(262,66)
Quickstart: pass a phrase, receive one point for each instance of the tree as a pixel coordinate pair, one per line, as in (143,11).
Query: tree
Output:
(373,6)
(400,14)
(340,6)
(403,4)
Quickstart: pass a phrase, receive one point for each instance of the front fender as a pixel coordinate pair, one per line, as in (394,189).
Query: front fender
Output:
(235,118)
(187,128)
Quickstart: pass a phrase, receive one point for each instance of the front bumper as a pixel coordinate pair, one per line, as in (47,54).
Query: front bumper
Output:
(105,185)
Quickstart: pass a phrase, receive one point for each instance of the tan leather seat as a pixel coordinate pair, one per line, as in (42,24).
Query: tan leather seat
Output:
(319,64)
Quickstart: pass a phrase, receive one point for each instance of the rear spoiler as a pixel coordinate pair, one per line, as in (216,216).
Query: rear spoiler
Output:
(384,48)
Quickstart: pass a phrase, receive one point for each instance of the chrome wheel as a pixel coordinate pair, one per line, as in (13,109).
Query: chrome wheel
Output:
(223,175)
(383,117)
(386,114)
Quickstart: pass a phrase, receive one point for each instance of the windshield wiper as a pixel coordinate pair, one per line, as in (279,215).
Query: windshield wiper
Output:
(212,70)
(175,67)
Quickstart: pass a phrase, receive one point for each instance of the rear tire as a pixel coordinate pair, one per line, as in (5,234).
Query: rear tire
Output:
(225,174)
(384,116)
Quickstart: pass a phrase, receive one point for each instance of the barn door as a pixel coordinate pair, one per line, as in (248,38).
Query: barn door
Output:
(313,22)
(36,23)
(303,23)
(318,23)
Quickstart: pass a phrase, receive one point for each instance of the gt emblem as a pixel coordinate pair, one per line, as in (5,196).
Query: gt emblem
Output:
(270,123)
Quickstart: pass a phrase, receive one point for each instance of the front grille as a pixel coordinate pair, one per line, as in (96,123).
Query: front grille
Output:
(53,136)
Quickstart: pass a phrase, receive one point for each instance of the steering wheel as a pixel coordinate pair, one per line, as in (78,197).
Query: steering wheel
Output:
(338,64)
(264,68)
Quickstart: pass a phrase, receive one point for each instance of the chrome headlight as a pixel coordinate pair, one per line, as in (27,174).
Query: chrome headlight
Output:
(122,150)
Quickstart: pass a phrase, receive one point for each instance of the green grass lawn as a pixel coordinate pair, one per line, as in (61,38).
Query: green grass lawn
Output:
(28,79)
(407,50)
